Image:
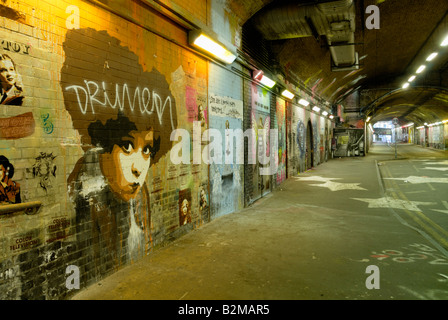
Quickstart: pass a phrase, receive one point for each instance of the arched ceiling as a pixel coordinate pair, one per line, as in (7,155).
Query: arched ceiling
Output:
(409,31)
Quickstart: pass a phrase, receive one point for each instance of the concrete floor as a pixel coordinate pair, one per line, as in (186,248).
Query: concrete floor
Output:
(313,239)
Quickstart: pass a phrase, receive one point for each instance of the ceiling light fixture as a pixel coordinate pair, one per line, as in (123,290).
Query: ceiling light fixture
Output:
(431,56)
(287,94)
(316,108)
(325,113)
(405,85)
(368,119)
(444,42)
(331,116)
(267,81)
(412,78)
(203,42)
(420,69)
(303,102)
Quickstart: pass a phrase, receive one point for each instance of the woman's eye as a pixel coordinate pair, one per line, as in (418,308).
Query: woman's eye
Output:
(146,150)
(127,147)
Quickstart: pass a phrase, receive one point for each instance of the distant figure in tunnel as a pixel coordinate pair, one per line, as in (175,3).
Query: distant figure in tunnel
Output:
(11,84)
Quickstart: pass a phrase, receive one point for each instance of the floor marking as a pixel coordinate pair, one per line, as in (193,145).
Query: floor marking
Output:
(389,202)
(439,210)
(416,179)
(436,168)
(336,186)
(445,203)
(437,232)
(315,178)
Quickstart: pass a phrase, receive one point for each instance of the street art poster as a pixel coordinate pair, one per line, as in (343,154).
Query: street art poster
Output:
(204,202)
(11,82)
(298,140)
(9,189)
(281,126)
(226,115)
(184,207)
(260,119)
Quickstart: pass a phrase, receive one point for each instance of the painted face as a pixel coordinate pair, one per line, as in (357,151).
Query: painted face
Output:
(185,207)
(203,196)
(7,74)
(127,165)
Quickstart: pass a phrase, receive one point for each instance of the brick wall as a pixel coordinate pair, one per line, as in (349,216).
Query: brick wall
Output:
(94,175)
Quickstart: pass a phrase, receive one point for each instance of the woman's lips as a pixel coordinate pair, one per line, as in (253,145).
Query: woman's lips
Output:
(134,186)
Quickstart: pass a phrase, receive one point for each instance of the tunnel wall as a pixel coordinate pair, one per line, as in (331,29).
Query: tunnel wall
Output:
(435,136)
(105,140)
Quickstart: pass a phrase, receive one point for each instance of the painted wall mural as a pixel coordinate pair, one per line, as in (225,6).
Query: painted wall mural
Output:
(87,110)
(11,82)
(226,116)
(124,118)
(261,119)
(9,189)
(282,150)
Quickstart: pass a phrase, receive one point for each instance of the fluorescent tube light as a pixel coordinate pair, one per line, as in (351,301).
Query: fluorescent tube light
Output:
(267,82)
(325,113)
(287,94)
(368,119)
(200,40)
(412,78)
(405,85)
(303,102)
(331,116)
(431,56)
(316,108)
(420,69)
(444,42)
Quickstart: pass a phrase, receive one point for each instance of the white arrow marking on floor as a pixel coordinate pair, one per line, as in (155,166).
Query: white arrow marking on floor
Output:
(436,168)
(315,178)
(445,203)
(336,186)
(416,179)
(444,162)
(387,202)
(439,210)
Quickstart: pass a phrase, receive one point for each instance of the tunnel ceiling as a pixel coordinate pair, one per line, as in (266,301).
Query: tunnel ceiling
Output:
(409,31)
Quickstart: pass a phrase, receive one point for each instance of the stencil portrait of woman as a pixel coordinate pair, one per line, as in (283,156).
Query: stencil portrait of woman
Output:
(125,129)
(9,189)
(10,80)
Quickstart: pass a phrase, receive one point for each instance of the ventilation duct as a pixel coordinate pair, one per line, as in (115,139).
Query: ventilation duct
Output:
(335,20)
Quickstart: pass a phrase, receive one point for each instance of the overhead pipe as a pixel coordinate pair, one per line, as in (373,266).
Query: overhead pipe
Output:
(335,20)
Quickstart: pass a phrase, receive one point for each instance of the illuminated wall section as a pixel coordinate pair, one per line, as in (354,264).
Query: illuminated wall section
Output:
(226,118)
(85,141)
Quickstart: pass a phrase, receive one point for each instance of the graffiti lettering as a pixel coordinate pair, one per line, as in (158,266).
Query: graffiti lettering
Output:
(87,96)
(15,46)
(48,125)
